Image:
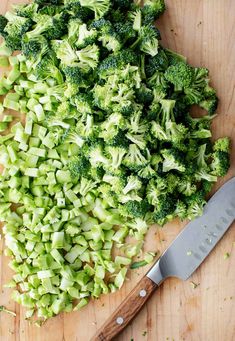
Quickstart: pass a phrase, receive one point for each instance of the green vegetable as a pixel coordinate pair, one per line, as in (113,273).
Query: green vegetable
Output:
(107,145)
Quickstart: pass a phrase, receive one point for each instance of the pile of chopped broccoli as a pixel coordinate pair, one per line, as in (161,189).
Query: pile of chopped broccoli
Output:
(107,145)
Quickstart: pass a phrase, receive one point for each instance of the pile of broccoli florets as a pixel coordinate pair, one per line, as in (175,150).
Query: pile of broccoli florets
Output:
(108,141)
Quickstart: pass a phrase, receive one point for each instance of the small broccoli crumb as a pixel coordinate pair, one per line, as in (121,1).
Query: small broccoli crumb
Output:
(5,310)
(194,285)
(226,255)
(144,333)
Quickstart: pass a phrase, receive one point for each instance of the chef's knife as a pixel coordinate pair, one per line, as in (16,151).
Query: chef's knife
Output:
(181,259)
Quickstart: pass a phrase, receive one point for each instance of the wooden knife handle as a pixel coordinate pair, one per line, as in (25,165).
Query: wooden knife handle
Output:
(126,311)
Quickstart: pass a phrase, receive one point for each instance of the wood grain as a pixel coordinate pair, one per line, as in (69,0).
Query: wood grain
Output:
(204,31)
(127,310)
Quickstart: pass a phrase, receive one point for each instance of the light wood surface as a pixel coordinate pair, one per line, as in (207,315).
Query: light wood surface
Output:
(204,31)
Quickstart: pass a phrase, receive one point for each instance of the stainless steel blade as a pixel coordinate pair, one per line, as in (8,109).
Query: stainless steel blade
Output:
(198,238)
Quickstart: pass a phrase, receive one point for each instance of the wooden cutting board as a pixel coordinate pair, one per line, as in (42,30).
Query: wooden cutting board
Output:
(204,31)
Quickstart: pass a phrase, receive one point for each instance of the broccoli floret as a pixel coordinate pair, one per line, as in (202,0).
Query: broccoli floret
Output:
(147,172)
(195,204)
(205,174)
(206,186)
(174,58)
(14,30)
(73,136)
(220,163)
(222,144)
(97,156)
(125,31)
(59,27)
(89,57)
(116,155)
(27,11)
(75,10)
(74,76)
(35,48)
(65,52)
(48,67)
(122,4)
(108,194)
(50,10)
(155,188)
(210,104)
(79,166)
(152,10)
(133,184)
(173,160)
(3,23)
(44,23)
(164,210)
(180,210)
(112,63)
(186,185)
(156,63)
(110,127)
(119,140)
(135,209)
(144,95)
(100,7)
(180,75)
(148,40)
(134,160)
(85,36)
(17,25)
(109,38)
(83,103)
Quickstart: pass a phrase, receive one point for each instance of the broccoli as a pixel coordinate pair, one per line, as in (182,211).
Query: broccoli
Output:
(125,31)
(112,63)
(27,11)
(79,166)
(152,10)
(116,154)
(82,36)
(65,52)
(59,28)
(222,145)
(195,205)
(47,67)
(44,24)
(76,11)
(174,58)
(164,211)
(180,75)
(209,104)
(135,209)
(100,7)
(148,40)
(173,160)
(220,163)
(109,37)
(186,185)
(74,75)
(15,28)
(157,63)
(134,160)
(89,57)
(34,49)
(97,156)
(3,24)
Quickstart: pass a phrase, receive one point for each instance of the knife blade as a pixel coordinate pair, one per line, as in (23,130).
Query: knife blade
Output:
(181,259)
